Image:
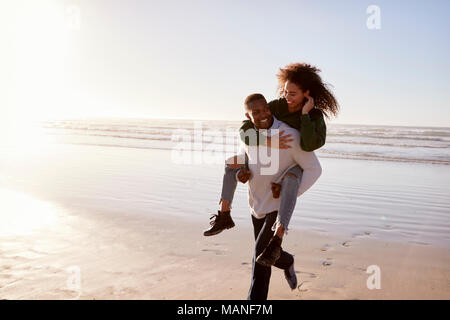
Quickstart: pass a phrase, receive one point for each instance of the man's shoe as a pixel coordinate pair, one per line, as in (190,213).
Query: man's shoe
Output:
(222,221)
(291,277)
(271,253)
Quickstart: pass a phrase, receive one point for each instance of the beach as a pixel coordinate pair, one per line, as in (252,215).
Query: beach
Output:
(117,119)
(103,222)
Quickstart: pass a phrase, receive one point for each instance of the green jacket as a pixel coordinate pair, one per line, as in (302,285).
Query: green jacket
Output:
(311,126)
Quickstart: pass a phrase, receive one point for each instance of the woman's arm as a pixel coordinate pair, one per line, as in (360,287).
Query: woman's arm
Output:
(313,130)
(250,137)
(312,126)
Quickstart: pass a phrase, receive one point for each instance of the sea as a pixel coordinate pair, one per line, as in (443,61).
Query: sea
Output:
(364,142)
(383,182)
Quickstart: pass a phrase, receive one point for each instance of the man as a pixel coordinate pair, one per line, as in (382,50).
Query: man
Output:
(263,206)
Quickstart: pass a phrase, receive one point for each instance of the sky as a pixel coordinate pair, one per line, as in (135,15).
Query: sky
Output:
(200,59)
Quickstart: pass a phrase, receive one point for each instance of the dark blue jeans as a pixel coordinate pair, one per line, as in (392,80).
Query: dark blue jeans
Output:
(262,228)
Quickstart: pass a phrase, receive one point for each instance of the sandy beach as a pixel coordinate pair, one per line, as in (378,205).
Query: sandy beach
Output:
(166,258)
(90,222)
(117,118)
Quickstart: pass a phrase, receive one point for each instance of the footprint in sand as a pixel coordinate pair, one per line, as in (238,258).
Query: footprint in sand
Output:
(310,274)
(325,247)
(217,252)
(346,244)
(304,286)
(327,262)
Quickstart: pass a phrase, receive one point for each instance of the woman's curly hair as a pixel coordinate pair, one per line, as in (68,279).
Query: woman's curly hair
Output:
(306,77)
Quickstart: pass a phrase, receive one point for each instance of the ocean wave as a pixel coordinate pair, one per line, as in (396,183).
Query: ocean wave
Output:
(437,136)
(166,136)
(219,149)
(353,142)
(396,137)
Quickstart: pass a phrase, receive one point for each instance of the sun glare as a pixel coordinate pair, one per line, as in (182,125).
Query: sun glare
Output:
(24,139)
(22,214)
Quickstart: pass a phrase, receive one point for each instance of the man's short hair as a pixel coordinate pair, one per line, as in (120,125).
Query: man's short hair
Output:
(253,97)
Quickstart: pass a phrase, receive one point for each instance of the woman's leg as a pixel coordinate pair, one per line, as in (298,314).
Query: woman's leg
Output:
(288,199)
(222,220)
(229,185)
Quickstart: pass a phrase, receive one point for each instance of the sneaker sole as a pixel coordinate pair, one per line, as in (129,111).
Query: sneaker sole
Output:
(217,232)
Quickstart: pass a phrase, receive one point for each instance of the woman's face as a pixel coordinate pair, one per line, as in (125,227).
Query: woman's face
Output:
(294,96)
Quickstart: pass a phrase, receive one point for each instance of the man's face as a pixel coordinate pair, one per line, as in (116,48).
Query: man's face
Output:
(258,113)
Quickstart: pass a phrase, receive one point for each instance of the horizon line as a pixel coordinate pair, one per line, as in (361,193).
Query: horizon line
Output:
(233,120)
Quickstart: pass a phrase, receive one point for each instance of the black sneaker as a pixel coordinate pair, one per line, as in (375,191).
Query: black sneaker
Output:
(291,277)
(222,221)
(271,253)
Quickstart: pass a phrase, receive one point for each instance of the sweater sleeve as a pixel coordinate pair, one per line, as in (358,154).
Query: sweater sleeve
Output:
(250,136)
(313,130)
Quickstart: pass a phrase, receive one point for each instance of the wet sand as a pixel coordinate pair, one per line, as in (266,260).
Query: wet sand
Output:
(88,222)
(102,255)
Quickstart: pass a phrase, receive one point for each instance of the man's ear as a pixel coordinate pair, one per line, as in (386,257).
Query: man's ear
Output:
(248,116)
(307,92)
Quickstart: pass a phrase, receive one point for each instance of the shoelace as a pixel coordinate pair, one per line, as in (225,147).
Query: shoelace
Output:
(216,216)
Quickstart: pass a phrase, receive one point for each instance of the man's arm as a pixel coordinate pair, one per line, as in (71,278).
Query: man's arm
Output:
(235,162)
(239,161)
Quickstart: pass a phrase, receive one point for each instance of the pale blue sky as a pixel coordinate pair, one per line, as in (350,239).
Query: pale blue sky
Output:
(200,59)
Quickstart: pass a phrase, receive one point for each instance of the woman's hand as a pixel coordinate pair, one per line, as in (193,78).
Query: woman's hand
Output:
(309,105)
(279,141)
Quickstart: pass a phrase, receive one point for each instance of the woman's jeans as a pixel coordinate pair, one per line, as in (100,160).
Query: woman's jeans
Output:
(288,195)
(229,184)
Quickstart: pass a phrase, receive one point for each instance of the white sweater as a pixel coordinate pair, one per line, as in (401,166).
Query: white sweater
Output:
(266,169)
